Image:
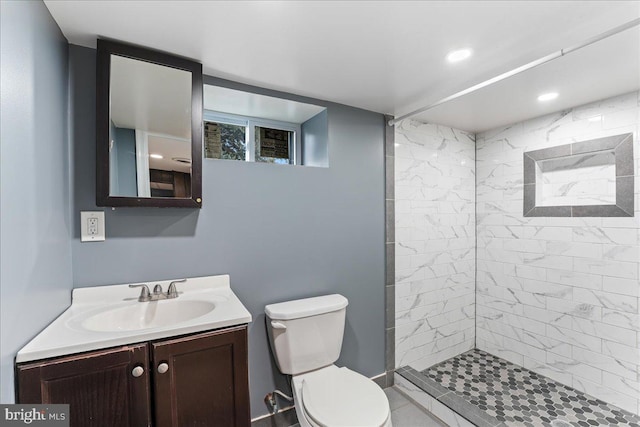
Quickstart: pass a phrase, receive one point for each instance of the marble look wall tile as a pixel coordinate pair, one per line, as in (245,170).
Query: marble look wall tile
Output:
(571,129)
(623,385)
(578,277)
(575,249)
(501,132)
(617,285)
(435,356)
(547,344)
(574,367)
(622,400)
(626,352)
(607,299)
(498,349)
(573,278)
(435,242)
(573,308)
(544,123)
(606,267)
(610,235)
(549,317)
(550,233)
(621,253)
(620,118)
(450,417)
(610,105)
(555,373)
(413,392)
(603,330)
(606,363)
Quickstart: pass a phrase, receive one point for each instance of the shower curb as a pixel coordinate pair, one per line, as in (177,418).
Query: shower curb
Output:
(441,401)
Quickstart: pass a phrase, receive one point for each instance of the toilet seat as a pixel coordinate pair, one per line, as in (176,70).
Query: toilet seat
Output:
(341,397)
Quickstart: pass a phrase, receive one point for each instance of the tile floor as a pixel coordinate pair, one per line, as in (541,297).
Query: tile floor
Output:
(405,413)
(516,396)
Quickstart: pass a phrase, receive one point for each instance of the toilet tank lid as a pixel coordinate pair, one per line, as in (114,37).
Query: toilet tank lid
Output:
(306,307)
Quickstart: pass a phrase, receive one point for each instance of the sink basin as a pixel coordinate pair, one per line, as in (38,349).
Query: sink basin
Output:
(110,316)
(147,315)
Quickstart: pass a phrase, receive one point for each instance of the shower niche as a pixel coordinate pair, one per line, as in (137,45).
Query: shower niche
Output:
(585,179)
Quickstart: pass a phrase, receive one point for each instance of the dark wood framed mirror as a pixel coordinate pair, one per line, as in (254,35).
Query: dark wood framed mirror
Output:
(148,128)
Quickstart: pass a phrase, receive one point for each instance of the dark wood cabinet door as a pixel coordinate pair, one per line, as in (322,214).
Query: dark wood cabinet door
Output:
(100,386)
(206,383)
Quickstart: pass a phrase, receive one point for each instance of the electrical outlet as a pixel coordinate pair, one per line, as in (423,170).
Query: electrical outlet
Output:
(92,226)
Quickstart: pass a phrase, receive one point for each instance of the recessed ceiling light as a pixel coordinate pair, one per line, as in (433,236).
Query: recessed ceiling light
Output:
(548,96)
(458,55)
(181,160)
(156,156)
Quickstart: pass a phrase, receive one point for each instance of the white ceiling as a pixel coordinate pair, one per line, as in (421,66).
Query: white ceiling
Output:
(169,149)
(609,67)
(150,97)
(231,101)
(384,56)
(156,99)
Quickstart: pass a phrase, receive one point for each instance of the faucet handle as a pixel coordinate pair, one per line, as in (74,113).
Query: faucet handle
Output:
(144,292)
(172,292)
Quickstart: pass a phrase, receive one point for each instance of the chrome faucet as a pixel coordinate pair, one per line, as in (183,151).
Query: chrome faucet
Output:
(172,292)
(144,292)
(146,296)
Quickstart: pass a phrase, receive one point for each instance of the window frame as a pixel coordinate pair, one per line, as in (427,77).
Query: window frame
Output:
(250,124)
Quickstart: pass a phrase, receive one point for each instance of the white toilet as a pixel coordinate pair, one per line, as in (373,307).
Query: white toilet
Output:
(306,338)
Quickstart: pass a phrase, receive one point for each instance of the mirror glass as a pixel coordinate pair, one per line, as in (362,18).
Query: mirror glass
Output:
(149,129)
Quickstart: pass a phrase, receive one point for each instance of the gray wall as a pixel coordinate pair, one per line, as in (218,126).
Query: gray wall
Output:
(35,250)
(125,146)
(281,232)
(114,187)
(315,141)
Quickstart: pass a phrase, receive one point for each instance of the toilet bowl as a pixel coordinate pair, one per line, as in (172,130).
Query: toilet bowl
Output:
(339,397)
(306,339)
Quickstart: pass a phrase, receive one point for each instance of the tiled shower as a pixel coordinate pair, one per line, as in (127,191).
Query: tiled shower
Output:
(556,293)
(435,243)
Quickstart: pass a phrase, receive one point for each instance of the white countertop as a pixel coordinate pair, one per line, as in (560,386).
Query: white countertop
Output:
(68,334)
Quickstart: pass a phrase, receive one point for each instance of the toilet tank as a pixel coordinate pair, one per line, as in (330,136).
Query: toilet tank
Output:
(306,334)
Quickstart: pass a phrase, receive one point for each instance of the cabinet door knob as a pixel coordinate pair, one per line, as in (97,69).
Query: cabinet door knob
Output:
(137,371)
(163,367)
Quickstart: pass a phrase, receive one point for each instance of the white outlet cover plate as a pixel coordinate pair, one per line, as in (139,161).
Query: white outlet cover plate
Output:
(84,226)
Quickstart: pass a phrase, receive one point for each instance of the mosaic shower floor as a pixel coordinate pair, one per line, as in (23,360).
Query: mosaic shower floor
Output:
(494,392)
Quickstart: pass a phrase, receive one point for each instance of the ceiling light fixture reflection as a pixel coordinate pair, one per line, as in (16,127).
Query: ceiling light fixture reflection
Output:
(548,96)
(156,156)
(458,55)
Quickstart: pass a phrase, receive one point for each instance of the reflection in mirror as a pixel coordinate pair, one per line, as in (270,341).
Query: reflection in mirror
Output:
(245,126)
(150,130)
